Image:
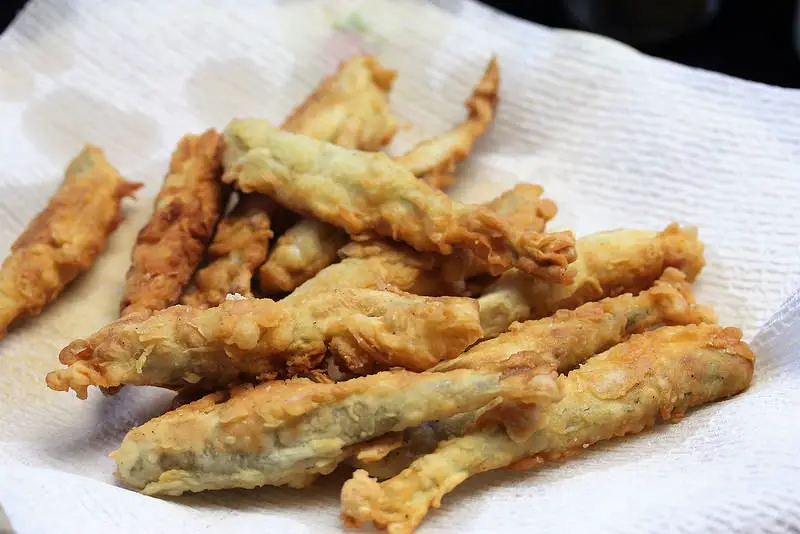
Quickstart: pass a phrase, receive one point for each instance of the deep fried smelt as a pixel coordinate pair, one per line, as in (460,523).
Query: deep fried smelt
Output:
(239,246)
(376,264)
(571,336)
(304,250)
(608,264)
(369,194)
(248,339)
(349,108)
(657,375)
(291,432)
(170,247)
(65,238)
(433,160)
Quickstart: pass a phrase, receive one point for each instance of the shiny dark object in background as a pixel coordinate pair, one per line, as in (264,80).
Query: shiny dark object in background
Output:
(642,21)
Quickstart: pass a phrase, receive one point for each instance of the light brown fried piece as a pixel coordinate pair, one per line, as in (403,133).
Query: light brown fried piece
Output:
(170,247)
(312,245)
(293,431)
(609,263)
(434,160)
(570,336)
(368,195)
(65,238)
(382,263)
(257,339)
(239,246)
(652,376)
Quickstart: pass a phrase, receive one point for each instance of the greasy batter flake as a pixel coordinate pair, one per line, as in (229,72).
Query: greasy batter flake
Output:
(365,330)
(64,239)
(369,194)
(170,247)
(652,376)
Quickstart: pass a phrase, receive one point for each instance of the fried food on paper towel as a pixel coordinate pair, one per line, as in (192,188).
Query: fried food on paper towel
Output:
(239,246)
(65,238)
(657,375)
(369,194)
(380,263)
(609,263)
(570,336)
(313,245)
(293,431)
(170,247)
(434,160)
(248,339)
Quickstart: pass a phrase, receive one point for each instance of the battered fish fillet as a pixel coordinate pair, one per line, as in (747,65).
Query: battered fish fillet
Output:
(434,160)
(570,336)
(658,375)
(291,432)
(64,239)
(239,246)
(378,264)
(241,340)
(608,264)
(312,245)
(369,194)
(170,247)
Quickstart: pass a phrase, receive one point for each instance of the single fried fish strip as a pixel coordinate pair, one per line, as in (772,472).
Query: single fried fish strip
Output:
(350,109)
(239,246)
(434,160)
(170,247)
(368,195)
(570,336)
(652,376)
(609,263)
(64,239)
(240,340)
(293,431)
(381,263)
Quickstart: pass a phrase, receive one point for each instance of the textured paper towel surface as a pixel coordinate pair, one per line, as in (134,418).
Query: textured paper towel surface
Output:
(617,139)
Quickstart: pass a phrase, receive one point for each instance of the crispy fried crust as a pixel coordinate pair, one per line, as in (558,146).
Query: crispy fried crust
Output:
(369,194)
(290,432)
(434,160)
(657,375)
(609,263)
(261,339)
(239,246)
(65,238)
(570,336)
(170,247)
(377,263)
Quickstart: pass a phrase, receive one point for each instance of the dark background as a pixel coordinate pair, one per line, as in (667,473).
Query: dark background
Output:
(749,39)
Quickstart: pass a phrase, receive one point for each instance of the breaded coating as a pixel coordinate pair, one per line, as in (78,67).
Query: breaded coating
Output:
(434,160)
(312,245)
(657,375)
(368,195)
(570,336)
(381,263)
(349,108)
(258,339)
(239,246)
(609,263)
(304,250)
(64,239)
(170,247)
(291,432)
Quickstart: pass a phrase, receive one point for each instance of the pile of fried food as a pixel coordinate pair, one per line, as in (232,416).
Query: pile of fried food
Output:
(418,339)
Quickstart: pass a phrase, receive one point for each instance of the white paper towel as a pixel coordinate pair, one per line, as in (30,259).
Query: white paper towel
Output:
(616,138)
